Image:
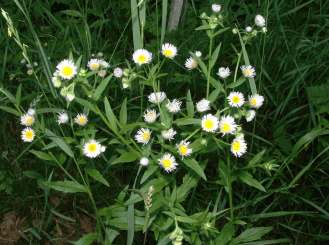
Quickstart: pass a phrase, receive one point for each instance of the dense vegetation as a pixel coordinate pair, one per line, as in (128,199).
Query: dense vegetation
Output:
(286,204)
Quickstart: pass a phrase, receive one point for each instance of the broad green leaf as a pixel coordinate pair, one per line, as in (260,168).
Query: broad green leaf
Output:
(252,234)
(247,178)
(240,81)
(110,115)
(189,104)
(59,142)
(101,87)
(149,171)
(214,56)
(194,165)
(226,234)
(42,155)
(96,175)
(87,239)
(125,158)
(87,104)
(66,186)
(10,110)
(256,159)
(123,112)
(188,121)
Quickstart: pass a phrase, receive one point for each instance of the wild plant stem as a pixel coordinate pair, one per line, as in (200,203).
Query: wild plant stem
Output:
(209,63)
(230,192)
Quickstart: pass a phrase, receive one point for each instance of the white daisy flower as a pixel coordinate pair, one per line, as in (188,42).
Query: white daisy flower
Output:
(198,53)
(183,148)
(168,134)
(238,146)
(27,120)
(248,71)
(174,106)
(144,161)
(203,105)
(94,64)
(157,97)
(224,72)
(66,69)
(248,29)
(150,116)
(168,162)
(62,118)
(235,99)
(92,148)
(118,72)
(216,8)
(28,134)
(191,63)
(250,115)
(31,111)
(227,125)
(81,119)
(256,101)
(143,135)
(169,51)
(260,20)
(209,123)
(142,56)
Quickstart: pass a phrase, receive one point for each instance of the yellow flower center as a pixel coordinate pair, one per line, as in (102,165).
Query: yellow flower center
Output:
(253,102)
(92,147)
(235,99)
(166,163)
(183,150)
(142,58)
(94,66)
(247,72)
(29,121)
(82,120)
(146,136)
(168,53)
(208,124)
(226,127)
(236,146)
(67,71)
(29,135)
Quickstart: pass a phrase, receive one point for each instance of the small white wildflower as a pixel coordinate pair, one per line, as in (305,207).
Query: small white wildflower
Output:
(118,72)
(248,29)
(250,115)
(198,53)
(168,162)
(209,123)
(256,101)
(143,135)
(238,146)
(235,99)
(62,118)
(227,125)
(191,63)
(81,119)
(150,116)
(183,148)
(174,106)
(260,20)
(27,134)
(27,120)
(216,8)
(168,134)
(92,149)
(203,105)
(142,56)
(144,161)
(157,97)
(248,71)
(224,72)
(169,50)
(66,69)
(31,111)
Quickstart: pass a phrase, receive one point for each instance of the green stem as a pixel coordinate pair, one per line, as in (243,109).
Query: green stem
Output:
(209,63)
(230,193)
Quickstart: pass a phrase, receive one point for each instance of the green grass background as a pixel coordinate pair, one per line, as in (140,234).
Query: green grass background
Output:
(293,61)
